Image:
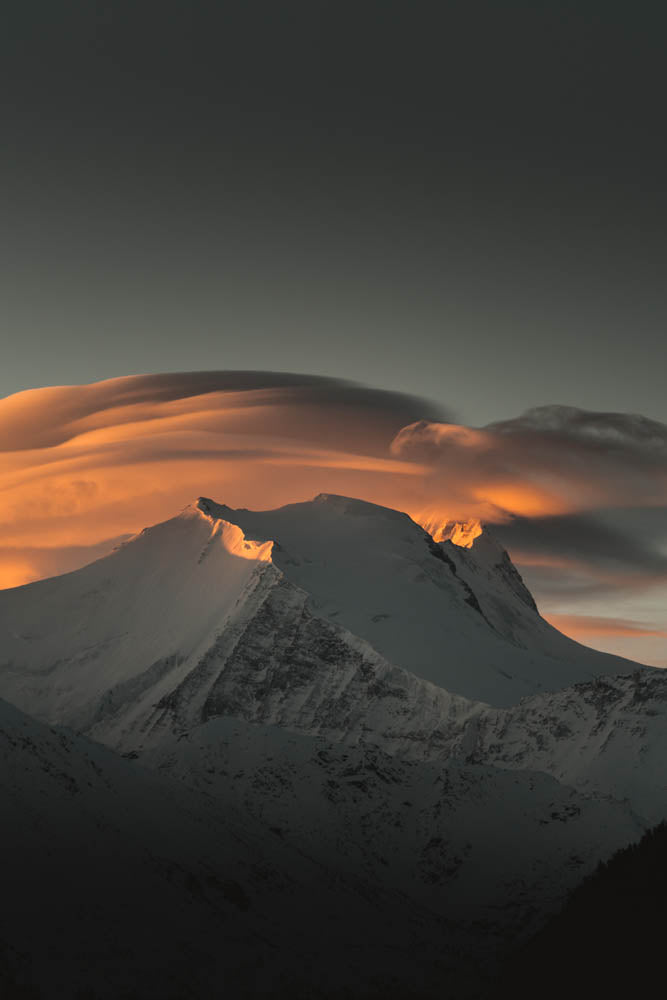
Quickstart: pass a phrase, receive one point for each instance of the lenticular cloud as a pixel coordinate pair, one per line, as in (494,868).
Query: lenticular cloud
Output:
(83,464)
(552,460)
(81,467)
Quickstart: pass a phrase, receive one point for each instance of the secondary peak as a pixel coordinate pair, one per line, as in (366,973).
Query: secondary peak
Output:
(461,533)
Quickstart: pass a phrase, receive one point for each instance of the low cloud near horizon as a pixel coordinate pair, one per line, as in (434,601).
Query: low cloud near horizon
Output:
(579,498)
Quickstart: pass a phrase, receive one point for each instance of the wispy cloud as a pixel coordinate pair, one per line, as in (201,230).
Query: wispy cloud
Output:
(588,626)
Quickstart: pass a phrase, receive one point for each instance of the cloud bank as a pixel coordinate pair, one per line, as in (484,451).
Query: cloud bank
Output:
(579,498)
(83,464)
(551,460)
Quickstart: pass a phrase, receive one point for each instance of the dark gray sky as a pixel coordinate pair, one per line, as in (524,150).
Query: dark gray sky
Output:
(462,200)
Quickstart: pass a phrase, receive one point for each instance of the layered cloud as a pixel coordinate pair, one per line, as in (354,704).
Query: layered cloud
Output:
(83,464)
(564,487)
(587,625)
(579,498)
(552,460)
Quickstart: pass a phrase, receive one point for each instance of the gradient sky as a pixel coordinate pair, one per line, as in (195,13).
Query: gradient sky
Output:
(462,201)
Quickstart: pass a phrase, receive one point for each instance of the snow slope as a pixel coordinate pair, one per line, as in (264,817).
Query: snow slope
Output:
(292,867)
(200,617)
(145,615)
(469,842)
(137,619)
(119,882)
(608,737)
(447,614)
(102,854)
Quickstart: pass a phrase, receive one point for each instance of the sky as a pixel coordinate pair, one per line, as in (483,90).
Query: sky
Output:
(462,202)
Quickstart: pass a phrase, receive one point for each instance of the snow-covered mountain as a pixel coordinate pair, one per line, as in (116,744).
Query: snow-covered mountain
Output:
(117,881)
(608,736)
(341,694)
(166,618)
(323,617)
(458,617)
(291,866)
(120,882)
(469,842)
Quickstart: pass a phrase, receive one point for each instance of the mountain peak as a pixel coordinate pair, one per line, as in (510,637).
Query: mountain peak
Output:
(460,618)
(331,498)
(461,533)
(323,502)
(208,507)
(352,505)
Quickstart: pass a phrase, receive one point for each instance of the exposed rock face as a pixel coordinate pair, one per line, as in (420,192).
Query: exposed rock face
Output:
(608,736)
(468,842)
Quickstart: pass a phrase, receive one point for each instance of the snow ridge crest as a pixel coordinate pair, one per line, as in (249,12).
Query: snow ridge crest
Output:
(230,535)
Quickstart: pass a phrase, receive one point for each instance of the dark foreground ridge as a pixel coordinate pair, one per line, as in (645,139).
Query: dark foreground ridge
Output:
(608,940)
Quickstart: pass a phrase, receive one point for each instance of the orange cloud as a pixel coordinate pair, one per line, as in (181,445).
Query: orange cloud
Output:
(553,460)
(15,571)
(81,467)
(84,464)
(581,626)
